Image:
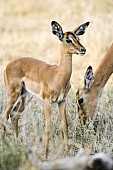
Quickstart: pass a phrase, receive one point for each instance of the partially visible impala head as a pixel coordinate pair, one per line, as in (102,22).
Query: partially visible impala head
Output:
(70,39)
(87,97)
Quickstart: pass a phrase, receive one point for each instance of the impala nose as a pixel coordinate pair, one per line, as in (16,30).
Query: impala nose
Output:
(83,50)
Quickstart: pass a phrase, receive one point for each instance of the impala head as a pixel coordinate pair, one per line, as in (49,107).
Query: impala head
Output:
(86,97)
(70,39)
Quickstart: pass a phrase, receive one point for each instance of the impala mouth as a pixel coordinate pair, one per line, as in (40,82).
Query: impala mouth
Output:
(82,53)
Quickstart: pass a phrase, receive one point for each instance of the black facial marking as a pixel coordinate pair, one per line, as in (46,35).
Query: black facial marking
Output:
(80,101)
(68,41)
(98,164)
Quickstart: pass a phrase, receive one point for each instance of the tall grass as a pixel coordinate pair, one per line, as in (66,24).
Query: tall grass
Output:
(25,31)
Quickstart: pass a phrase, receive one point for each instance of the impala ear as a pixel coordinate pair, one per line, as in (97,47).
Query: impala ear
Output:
(88,78)
(81,29)
(57,30)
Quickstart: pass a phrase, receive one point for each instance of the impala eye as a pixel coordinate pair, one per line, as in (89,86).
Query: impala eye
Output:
(69,41)
(80,101)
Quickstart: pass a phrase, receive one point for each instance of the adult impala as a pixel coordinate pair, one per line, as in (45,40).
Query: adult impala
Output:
(88,97)
(50,82)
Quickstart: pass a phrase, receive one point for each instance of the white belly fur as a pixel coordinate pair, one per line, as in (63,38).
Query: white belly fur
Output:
(35,94)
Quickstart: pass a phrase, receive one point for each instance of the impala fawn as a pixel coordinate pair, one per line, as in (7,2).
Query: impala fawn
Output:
(88,97)
(49,82)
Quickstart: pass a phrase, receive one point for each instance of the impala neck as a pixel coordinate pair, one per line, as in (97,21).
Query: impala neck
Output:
(104,70)
(65,66)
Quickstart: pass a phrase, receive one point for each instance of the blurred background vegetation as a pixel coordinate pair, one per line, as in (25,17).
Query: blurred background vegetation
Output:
(25,30)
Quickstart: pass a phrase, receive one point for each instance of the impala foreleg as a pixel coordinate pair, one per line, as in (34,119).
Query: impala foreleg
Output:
(48,124)
(63,119)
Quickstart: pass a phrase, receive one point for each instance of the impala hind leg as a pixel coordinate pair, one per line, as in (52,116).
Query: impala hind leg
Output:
(15,114)
(63,120)
(14,120)
(5,115)
(19,106)
(48,124)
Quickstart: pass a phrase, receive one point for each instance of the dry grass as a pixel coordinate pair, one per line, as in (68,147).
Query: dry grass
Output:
(25,31)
